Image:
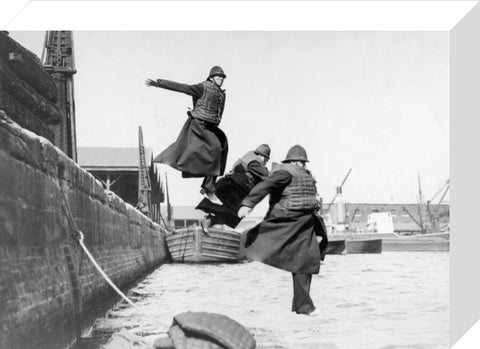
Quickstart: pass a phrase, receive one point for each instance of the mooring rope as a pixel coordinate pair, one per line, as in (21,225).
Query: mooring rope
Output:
(77,235)
(105,276)
(100,270)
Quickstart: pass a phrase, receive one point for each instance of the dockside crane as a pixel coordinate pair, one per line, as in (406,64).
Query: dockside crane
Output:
(58,58)
(427,221)
(339,191)
(435,219)
(341,210)
(444,188)
(422,210)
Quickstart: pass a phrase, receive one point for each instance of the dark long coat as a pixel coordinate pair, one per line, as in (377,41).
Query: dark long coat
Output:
(200,150)
(231,190)
(285,239)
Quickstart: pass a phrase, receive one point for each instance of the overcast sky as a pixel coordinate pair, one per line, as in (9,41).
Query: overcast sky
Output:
(376,102)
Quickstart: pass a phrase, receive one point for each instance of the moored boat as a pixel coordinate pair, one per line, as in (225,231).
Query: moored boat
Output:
(336,247)
(435,242)
(438,236)
(339,245)
(364,246)
(354,243)
(193,245)
(418,245)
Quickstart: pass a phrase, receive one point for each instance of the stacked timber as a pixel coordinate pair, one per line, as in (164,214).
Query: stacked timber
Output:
(28,94)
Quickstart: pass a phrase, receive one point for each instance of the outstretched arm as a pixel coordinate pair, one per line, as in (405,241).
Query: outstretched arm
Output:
(258,170)
(150,82)
(195,91)
(276,181)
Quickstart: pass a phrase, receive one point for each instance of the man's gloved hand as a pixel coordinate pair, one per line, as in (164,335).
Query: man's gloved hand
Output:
(151,82)
(244,211)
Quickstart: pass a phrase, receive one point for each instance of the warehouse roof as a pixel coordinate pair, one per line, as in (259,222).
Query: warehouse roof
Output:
(111,157)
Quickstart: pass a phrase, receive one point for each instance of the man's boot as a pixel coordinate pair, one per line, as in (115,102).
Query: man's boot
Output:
(205,223)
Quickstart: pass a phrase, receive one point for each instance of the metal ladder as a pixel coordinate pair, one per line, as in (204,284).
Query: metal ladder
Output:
(144,185)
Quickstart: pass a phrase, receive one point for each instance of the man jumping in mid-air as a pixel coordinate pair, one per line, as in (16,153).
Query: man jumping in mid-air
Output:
(201,148)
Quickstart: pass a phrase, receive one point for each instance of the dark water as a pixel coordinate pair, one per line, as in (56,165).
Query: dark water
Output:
(389,300)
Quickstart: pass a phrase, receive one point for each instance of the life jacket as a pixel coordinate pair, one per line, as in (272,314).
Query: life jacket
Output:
(243,162)
(210,106)
(300,194)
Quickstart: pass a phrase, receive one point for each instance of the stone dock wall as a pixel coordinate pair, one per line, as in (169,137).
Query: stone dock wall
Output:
(41,264)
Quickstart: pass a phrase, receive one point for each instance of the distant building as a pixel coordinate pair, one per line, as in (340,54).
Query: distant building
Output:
(186,216)
(356,216)
(117,169)
(406,217)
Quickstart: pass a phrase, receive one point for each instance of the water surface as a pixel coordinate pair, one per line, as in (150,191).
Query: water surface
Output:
(389,300)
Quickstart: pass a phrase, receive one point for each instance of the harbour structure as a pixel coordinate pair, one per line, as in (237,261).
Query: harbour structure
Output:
(144,201)
(356,216)
(58,59)
(186,216)
(340,206)
(52,211)
(423,217)
(115,167)
(27,92)
(121,170)
(405,217)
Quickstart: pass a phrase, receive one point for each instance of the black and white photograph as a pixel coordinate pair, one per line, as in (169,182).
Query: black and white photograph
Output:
(225,188)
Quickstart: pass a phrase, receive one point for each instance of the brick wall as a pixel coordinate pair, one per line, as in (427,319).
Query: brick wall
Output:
(36,294)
